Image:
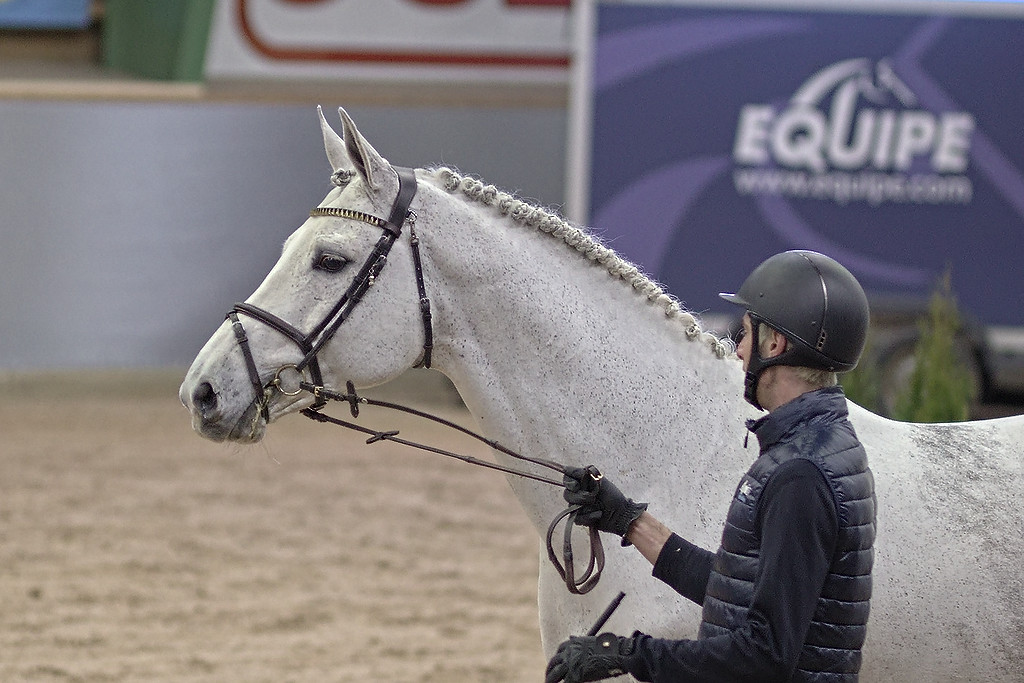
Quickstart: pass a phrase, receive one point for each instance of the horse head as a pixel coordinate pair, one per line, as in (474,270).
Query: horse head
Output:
(303,322)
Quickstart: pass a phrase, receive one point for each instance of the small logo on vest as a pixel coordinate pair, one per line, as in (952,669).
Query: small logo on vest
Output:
(744,491)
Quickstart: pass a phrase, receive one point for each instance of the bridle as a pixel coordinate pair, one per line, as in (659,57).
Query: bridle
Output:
(311,344)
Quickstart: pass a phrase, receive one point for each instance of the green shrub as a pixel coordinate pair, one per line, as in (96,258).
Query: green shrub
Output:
(940,388)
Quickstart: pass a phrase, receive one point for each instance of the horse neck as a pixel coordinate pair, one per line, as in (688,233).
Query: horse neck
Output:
(558,359)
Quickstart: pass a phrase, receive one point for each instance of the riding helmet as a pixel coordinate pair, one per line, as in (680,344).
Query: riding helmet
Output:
(812,300)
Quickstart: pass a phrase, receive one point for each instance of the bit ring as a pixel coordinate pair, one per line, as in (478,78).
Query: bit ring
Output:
(277,380)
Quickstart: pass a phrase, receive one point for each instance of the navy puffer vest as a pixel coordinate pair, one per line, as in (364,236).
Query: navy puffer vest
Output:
(814,427)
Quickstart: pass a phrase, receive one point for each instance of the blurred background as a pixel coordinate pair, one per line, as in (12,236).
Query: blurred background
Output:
(149,175)
(154,156)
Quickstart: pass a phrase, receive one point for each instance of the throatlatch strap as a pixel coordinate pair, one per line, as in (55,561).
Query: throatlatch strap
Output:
(428,324)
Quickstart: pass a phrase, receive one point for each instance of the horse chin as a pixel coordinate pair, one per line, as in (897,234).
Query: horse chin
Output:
(249,428)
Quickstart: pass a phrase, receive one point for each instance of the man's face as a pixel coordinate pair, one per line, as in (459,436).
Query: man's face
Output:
(743,347)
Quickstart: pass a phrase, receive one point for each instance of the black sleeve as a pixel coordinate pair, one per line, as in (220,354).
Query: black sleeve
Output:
(799,528)
(685,567)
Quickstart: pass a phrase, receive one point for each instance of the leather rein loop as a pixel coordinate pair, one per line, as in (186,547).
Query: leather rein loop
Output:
(566,568)
(311,344)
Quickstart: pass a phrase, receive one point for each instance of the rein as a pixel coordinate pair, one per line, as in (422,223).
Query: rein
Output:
(566,568)
(310,345)
(355,401)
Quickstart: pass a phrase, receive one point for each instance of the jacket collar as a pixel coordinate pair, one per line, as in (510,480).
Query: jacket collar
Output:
(771,428)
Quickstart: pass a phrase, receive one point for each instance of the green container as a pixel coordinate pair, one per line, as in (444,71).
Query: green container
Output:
(162,40)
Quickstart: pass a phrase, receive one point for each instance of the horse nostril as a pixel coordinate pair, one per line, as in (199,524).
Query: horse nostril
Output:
(204,398)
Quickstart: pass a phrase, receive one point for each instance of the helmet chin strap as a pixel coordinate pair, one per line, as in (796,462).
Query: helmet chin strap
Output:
(757,364)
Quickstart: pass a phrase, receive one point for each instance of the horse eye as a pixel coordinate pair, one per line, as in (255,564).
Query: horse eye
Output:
(332,263)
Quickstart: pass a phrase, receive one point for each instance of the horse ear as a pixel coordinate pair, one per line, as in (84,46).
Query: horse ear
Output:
(373,167)
(335,146)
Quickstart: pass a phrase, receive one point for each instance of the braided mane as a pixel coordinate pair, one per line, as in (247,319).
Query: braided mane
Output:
(587,245)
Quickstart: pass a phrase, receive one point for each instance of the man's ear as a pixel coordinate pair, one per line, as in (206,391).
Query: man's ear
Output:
(774,345)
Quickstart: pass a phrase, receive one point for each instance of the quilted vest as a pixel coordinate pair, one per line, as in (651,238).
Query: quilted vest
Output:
(814,427)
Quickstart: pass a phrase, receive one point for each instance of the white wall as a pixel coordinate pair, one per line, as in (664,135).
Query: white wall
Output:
(127,230)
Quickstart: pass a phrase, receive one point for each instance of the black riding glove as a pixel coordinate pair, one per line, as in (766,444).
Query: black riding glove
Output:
(590,658)
(601,503)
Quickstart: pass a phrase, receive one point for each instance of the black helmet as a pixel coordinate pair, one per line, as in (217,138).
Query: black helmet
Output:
(813,301)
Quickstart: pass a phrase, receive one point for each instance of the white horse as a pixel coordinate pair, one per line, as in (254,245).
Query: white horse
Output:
(562,350)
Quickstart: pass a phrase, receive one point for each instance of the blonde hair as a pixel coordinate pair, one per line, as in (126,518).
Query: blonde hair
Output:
(817,378)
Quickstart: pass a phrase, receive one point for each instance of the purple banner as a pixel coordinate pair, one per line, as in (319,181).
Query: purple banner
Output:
(888,141)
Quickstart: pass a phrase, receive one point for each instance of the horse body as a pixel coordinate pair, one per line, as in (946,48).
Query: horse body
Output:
(948,600)
(556,357)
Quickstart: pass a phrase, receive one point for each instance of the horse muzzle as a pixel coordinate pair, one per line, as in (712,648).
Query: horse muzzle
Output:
(220,416)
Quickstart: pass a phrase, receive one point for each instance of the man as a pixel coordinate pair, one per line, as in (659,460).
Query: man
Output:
(786,596)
